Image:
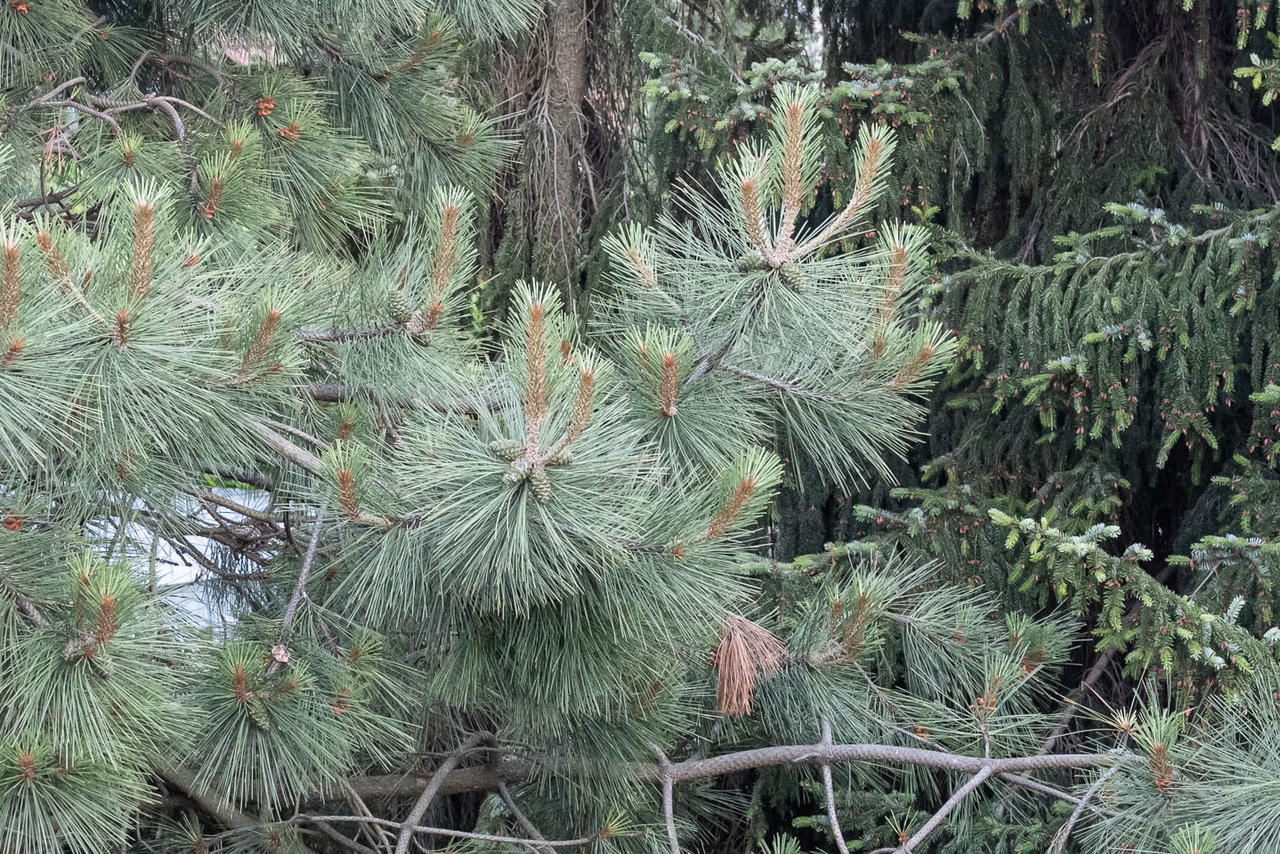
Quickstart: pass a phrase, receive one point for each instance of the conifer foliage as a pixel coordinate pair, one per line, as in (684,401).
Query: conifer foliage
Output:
(298,553)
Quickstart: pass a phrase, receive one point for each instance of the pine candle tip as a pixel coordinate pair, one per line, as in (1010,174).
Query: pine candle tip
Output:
(121,335)
(347,493)
(669,386)
(731,509)
(13,350)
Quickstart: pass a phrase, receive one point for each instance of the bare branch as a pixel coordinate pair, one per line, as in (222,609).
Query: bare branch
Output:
(459,834)
(300,457)
(827,786)
(211,802)
(433,786)
(668,798)
(514,809)
(1060,839)
(300,589)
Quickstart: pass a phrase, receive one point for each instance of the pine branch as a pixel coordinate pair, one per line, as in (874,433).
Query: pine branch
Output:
(28,607)
(212,803)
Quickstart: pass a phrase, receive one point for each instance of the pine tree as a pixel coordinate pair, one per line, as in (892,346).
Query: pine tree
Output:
(296,555)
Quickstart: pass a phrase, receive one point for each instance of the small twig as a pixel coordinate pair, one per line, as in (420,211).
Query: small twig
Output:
(505,794)
(433,785)
(28,607)
(1060,839)
(300,457)
(385,839)
(668,798)
(295,432)
(300,589)
(347,334)
(343,840)
(831,794)
(943,811)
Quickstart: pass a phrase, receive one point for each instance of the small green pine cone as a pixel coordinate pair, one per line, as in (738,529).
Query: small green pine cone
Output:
(562,457)
(540,484)
(258,712)
(790,275)
(516,472)
(752,262)
(507,449)
(398,307)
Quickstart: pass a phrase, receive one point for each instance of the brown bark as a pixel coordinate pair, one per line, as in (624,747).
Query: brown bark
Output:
(560,130)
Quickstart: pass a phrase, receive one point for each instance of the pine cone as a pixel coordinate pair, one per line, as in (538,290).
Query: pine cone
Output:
(790,275)
(562,457)
(516,472)
(258,712)
(398,307)
(540,484)
(753,262)
(507,449)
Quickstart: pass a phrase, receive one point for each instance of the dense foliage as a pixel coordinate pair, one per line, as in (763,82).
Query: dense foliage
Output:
(847,426)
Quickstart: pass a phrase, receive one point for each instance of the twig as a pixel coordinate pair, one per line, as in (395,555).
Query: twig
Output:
(28,607)
(343,840)
(296,433)
(529,827)
(433,785)
(300,589)
(668,798)
(831,794)
(347,334)
(943,811)
(460,834)
(385,839)
(1060,839)
(300,457)
(1000,28)
(1095,673)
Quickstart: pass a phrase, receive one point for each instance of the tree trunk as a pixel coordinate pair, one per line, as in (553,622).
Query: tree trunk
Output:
(557,208)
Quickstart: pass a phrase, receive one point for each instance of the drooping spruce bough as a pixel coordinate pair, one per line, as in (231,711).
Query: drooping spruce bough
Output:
(234,336)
